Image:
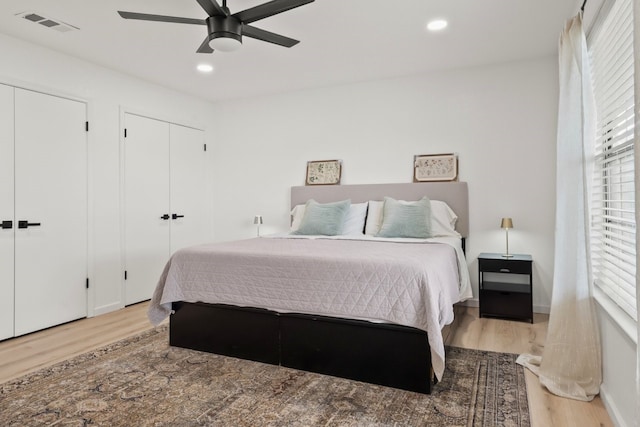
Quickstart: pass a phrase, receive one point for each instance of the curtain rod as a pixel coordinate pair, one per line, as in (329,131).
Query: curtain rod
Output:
(583,3)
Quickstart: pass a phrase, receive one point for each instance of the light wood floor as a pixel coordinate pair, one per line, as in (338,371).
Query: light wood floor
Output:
(21,355)
(469,331)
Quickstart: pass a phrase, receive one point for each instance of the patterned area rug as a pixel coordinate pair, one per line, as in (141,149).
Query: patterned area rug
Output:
(141,381)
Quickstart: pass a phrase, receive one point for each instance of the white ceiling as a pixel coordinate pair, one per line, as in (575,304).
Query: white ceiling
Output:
(342,41)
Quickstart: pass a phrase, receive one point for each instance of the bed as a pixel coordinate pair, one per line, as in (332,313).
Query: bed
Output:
(330,305)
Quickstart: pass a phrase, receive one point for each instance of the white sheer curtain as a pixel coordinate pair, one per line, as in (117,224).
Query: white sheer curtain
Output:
(636,63)
(571,365)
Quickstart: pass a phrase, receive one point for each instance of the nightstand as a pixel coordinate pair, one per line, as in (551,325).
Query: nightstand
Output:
(506,286)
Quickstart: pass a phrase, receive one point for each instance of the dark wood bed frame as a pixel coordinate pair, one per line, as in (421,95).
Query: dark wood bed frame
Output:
(379,353)
(385,354)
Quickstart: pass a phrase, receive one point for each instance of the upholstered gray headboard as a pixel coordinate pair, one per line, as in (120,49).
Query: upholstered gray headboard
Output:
(455,194)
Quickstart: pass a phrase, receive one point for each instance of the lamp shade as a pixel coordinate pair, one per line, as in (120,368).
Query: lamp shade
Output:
(257,219)
(506,223)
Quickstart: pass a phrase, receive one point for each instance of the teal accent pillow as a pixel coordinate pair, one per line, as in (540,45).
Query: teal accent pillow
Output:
(406,219)
(324,219)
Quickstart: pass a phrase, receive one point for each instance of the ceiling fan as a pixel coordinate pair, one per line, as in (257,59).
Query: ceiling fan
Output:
(225,30)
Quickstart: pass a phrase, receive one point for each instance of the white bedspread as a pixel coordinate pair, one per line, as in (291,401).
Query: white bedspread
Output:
(411,283)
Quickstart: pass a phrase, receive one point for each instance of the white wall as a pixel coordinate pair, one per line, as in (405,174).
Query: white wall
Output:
(501,120)
(33,67)
(618,390)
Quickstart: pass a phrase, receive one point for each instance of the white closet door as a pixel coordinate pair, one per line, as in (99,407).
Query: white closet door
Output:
(146,149)
(6,212)
(50,190)
(188,188)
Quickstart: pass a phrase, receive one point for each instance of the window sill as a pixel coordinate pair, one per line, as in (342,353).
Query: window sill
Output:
(622,319)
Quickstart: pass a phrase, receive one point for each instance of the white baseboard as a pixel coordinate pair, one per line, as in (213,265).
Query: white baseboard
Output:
(107,309)
(473,302)
(544,309)
(611,407)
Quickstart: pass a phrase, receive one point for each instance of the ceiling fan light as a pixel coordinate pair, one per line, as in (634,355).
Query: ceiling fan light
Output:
(205,68)
(437,25)
(225,42)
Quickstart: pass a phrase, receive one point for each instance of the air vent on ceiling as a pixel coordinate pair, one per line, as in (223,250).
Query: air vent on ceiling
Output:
(54,24)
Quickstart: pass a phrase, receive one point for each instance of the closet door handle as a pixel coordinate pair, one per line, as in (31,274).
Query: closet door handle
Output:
(165,217)
(6,224)
(176,216)
(27,224)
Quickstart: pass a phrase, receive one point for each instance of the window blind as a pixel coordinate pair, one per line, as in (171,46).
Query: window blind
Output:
(613,232)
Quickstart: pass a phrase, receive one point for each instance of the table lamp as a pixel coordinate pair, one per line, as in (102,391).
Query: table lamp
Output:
(257,220)
(507,223)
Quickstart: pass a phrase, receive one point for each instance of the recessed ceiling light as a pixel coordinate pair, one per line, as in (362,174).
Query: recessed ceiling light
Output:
(205,68)
(437,25)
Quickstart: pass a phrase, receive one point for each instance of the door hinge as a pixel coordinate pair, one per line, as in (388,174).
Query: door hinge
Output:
(87,283)
(125,132)
(125,275)
(205,147)
(86,126)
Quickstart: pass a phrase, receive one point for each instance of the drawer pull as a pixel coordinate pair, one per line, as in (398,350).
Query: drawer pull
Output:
(27,224)
(505,270)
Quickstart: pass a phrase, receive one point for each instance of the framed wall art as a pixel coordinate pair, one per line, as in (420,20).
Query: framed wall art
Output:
(435,167)
(324,172)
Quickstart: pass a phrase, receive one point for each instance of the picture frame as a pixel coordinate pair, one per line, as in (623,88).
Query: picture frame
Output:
(435,167)
(324,172)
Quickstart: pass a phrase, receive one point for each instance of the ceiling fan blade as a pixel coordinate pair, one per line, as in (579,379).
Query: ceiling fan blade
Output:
(212,8)
(204,47)
(271,8)
(161,18)
(268,36)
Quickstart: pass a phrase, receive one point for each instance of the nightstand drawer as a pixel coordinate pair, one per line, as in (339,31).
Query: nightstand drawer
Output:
(506,304)
(504,266)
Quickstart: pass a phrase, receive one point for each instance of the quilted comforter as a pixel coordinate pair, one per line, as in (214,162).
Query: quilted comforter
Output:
(413,283)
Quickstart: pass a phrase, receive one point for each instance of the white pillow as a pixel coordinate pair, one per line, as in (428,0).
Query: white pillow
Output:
(374,217)
(443,219)
(297,213)
(353,223)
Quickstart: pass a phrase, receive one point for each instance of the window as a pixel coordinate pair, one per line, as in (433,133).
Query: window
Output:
(613,211)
